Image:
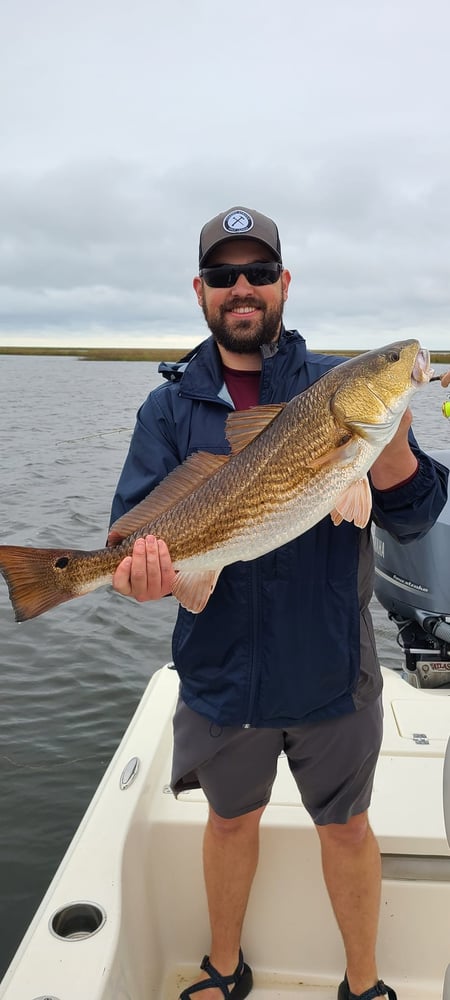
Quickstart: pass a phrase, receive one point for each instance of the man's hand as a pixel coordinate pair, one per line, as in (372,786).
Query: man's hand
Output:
(148,574)
(445,379)
(397,462)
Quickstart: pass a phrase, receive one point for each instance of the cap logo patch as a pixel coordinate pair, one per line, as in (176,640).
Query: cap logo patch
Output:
(238,222)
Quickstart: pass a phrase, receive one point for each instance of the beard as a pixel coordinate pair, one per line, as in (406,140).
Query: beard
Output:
(245,336)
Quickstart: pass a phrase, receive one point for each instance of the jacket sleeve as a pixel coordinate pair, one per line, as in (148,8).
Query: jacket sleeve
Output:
(408,511)
(151,456)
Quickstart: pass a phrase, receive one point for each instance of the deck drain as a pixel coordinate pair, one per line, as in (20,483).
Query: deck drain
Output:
(77,921)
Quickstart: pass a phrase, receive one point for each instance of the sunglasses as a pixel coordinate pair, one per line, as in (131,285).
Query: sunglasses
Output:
(226,275)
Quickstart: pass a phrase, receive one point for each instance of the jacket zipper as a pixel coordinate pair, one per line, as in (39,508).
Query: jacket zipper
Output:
(255,643)
(256,636)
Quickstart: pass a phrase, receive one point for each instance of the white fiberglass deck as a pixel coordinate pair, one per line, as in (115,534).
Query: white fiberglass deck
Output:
(138,856)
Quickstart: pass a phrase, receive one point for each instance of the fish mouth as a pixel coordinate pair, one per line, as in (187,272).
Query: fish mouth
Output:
(422,372)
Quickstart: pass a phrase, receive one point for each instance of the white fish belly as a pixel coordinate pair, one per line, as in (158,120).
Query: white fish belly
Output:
(289,520)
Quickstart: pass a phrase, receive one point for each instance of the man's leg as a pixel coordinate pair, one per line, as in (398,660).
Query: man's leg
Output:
(334,763)
(352,872)
(230,857)
(236,768)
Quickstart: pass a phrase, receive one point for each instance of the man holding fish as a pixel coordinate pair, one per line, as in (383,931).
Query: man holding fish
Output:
(246,494)
(283,655)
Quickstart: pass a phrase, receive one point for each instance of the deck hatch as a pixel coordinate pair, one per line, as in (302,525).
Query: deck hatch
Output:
(431,718)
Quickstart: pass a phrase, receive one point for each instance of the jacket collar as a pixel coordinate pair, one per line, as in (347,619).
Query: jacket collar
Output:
(200,371)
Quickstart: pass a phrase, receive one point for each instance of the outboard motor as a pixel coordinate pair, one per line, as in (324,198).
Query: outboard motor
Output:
(413,583)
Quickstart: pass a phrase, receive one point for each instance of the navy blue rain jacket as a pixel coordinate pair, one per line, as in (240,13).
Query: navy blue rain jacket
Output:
(286,637)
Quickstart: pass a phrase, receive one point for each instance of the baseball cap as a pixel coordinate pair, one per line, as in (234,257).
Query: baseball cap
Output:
(239,223)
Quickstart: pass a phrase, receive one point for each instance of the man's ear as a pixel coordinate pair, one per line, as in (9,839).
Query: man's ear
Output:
(198,289)
(285,282)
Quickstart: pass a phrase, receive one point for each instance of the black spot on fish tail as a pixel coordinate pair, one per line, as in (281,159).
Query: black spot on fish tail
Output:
(31,579)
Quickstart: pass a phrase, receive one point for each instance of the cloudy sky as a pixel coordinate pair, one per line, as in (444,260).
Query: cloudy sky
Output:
(124,126)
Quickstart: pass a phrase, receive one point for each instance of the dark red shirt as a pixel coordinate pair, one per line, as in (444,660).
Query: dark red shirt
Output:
(243,387)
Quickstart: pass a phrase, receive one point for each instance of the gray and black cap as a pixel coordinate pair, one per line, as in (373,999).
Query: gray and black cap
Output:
(239,223)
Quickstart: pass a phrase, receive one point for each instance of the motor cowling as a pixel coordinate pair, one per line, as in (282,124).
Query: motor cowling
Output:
(412,582)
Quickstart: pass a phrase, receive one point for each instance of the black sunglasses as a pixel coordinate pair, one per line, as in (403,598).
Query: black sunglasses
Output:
(226,275)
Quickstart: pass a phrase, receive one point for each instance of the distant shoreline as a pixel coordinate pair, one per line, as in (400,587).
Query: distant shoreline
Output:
(154,353)
(101,353)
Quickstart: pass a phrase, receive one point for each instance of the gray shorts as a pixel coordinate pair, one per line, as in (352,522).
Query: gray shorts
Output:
(333,762)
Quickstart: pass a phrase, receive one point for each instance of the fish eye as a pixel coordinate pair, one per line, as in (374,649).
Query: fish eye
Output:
(394,356)
(62,562)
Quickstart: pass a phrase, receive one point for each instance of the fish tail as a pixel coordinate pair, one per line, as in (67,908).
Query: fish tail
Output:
(32,579)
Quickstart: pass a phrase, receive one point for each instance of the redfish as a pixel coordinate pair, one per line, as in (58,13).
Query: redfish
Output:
(290,465)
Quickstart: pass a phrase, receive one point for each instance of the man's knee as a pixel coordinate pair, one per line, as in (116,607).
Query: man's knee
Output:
(247,823)
(352,833)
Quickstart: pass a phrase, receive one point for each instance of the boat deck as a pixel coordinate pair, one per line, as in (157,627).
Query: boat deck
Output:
(137,854)
(270,988)
(264,989)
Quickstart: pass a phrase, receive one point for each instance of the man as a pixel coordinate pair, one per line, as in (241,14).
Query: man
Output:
(294,666)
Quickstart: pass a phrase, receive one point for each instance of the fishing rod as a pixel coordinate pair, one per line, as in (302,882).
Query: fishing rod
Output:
(446,404)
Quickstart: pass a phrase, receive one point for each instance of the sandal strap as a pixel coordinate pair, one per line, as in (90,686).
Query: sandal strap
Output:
(215,979)
(379,990)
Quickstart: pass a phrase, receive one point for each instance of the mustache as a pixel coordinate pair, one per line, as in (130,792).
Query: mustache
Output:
(236,303)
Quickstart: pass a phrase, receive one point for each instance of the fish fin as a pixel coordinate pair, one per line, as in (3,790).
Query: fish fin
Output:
(180,483)
(366,430)
(243,426)
(337,456)
(354,504)
(31,588)
(114,538)
(193,590)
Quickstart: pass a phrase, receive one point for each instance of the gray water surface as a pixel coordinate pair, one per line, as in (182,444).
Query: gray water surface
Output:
(71,679)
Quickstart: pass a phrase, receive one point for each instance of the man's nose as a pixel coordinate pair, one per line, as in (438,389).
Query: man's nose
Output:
(241,286)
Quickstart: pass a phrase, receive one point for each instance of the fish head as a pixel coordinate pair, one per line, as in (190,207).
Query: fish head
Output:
(376,388)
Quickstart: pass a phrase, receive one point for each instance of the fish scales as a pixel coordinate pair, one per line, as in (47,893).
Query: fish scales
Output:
(240,497)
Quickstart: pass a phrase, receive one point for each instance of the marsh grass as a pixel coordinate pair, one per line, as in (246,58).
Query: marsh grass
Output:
(155,353)
(100,353)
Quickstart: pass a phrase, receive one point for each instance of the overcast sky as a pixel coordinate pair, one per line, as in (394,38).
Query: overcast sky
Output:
(124,126)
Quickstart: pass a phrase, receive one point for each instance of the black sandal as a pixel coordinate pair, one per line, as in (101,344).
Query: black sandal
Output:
(241,981)
(379,990)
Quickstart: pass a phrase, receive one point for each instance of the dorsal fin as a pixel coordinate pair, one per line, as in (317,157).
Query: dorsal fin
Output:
(175,487)
(243,426)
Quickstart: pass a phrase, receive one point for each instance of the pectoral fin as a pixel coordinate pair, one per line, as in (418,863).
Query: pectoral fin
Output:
(355,504)
(193,590)
(341,455)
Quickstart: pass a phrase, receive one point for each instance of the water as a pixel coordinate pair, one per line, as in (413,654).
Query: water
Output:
(71,679)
